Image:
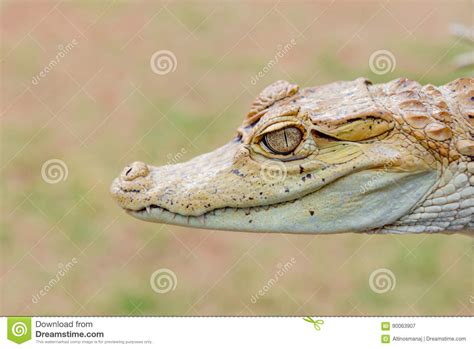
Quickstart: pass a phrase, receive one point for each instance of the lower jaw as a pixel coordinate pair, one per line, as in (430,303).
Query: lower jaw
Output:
(228,218)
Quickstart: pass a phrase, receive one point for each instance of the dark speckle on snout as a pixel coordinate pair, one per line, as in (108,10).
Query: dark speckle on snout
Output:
(237,173)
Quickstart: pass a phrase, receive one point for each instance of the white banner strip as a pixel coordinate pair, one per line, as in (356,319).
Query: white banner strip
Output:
(238,332)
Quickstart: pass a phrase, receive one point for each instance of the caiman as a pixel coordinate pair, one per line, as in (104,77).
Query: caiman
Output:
(350,156)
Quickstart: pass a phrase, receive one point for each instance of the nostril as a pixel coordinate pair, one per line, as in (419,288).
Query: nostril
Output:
(135,170)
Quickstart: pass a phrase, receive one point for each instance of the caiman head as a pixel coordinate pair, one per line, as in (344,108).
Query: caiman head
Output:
(329,159)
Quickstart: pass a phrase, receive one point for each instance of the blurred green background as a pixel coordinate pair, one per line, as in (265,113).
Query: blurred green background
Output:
(101,107)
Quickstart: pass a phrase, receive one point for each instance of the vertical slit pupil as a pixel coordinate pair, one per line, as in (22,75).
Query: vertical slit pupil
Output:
(286,138)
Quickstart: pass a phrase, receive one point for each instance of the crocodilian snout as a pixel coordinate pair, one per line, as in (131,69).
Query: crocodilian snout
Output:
(190,188)
(130,188)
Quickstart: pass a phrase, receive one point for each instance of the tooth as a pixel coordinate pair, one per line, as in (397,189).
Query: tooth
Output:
(201,220)
(148,209)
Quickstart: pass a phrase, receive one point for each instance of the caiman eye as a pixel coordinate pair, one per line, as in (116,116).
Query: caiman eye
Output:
(283,141)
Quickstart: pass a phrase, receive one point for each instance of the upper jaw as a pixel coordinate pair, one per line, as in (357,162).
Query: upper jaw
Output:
(212,182)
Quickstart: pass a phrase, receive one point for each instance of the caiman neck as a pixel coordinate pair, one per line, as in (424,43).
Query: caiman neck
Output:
(448,208)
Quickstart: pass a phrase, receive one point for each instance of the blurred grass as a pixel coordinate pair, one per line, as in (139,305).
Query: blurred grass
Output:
(118,118)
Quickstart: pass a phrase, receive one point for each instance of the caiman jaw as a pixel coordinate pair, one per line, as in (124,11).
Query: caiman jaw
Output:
(312,162)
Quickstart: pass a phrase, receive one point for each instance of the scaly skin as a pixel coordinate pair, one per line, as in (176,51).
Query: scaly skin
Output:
(344,157)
